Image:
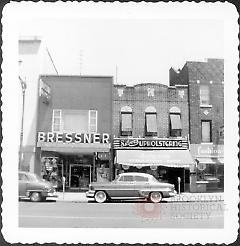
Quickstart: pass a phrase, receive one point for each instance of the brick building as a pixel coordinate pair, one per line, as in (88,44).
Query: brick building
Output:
(74,129)
(205,81)
(152,112)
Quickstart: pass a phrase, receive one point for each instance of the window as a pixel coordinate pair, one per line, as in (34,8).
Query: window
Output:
(81,121)
(204,95)
(56,124)
(126,121)
(175,122)
(206,131)
(126,178)
(150,121)
(141,179)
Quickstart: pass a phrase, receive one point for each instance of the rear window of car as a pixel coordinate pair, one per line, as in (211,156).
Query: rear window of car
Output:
(141,179)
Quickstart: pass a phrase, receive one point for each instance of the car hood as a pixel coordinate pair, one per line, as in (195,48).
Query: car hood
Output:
(46,184)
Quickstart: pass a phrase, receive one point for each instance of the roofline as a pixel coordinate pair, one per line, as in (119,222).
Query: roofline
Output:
(74,76)
(140,84)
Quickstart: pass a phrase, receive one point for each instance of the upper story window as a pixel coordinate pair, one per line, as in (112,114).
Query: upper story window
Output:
(82,121)
(204,95)
(175,122)
(126,121)
(150,121)
(206,128)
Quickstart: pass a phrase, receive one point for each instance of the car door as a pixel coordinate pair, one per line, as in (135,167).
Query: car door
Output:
(124,187)
(141,184)
(22,184)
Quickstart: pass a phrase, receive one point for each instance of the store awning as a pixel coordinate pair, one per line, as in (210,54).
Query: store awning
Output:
(169,158)
(74,148)
(209,160)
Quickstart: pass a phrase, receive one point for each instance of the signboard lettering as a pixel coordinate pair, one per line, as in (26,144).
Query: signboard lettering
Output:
(86,138)
(124,143)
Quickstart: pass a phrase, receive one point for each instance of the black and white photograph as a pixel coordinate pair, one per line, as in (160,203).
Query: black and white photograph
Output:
(113,122)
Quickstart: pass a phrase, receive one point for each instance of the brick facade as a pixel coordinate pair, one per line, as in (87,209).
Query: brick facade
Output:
(138,99)
(195,74)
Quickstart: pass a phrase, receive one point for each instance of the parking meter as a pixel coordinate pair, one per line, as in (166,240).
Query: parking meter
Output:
(179,182)
(63,184)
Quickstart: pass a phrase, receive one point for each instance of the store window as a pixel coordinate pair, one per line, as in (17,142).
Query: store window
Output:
(206,128)
(204,95)
(126,121)
(74,121)
(150,121)
(175,122)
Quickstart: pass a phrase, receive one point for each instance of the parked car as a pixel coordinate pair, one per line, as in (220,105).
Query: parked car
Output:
(34,187)
(131,186)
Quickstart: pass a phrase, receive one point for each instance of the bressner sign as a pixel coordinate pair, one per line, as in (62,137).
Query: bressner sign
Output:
(84,138)
(126,143)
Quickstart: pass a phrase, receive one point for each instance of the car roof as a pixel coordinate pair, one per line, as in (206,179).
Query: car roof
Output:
(136,173)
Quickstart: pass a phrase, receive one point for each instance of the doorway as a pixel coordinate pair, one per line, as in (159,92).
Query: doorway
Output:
(79,176)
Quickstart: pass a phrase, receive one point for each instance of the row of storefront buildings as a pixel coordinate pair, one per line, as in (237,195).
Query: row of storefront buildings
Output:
(86,128)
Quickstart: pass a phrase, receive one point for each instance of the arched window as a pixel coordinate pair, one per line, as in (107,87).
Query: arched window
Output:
(175,122)
(150,121)
(126,121)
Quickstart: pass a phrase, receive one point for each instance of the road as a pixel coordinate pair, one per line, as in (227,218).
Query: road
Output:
(52,214)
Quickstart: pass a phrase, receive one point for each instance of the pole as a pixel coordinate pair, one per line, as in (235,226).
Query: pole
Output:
(179,182)
(21,134)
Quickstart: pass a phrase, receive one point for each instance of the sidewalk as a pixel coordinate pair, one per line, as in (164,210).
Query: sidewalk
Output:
(183,197)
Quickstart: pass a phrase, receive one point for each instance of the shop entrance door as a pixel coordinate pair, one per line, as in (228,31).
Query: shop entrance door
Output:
(79,176)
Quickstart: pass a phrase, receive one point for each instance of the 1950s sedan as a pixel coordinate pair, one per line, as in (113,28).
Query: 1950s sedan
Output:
(34,187)
(131,186)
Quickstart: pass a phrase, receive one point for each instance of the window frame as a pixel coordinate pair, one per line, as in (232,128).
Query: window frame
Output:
(122,132)
(210,131)
(60,119)
(172,131)
(61,124)
(201,94)
(147,133)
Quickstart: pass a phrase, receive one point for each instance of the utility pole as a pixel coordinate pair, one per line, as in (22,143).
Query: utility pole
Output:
(24,87)
(81,61)
(116,75)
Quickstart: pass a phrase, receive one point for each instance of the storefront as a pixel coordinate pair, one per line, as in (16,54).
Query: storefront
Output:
(209,170)
(76,158)
(166,159)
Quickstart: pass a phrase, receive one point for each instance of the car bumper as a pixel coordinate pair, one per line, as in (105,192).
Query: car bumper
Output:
(173,193)
(90,194)
(52,194)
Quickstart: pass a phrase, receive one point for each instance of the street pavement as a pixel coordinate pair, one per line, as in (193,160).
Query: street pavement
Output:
(183,197)
(167,214)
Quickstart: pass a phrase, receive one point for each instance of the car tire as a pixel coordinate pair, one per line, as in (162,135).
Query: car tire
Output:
(155,197)
(100,197)
(35,197)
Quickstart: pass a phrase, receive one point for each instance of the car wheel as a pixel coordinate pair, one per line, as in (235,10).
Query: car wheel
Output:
(35,197)
(155,197)
(100,196)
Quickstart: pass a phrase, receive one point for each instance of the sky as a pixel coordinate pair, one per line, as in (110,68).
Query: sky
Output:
(132,50)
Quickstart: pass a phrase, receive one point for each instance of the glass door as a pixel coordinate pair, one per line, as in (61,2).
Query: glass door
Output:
(85,177)
(74,174)
(79,176)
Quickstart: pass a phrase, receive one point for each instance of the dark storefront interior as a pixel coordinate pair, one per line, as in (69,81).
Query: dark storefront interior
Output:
(77,169)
